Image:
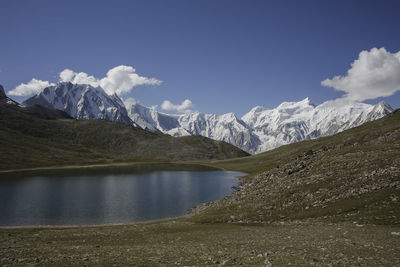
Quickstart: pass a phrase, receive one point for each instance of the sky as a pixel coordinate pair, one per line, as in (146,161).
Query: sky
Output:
(213,56)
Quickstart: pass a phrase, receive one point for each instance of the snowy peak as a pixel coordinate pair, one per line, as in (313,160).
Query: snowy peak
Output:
(306,102)
(149,118)
(82,101)
(378,111)
(260,116)
(296,121)
(383,108)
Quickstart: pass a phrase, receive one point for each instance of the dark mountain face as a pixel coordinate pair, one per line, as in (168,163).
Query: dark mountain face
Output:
(34,110)
(6,101)
(2,93)
(45,113)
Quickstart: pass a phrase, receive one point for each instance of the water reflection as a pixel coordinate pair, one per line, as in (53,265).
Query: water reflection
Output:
(97,199)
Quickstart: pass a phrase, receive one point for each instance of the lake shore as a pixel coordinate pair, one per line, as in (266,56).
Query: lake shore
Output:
(108,196)
(105,165)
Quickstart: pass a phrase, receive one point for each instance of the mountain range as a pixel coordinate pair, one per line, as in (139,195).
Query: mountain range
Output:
(259,130)
(37,136)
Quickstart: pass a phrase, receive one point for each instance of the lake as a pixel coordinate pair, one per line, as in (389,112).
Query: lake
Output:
(108,198)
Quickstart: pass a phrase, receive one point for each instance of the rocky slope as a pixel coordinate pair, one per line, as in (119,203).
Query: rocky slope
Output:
(353,176)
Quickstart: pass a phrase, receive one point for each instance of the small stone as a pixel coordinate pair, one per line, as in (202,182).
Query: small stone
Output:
(267,263)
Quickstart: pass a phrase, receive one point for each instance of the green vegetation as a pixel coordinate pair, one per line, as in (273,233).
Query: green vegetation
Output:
(330,201)
(29,141)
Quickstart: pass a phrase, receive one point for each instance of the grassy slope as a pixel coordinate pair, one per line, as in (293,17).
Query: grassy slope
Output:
(27,141)
(352,176)
(334,200)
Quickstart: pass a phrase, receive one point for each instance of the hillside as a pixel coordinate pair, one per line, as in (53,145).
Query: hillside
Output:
(351,176)
(34,137)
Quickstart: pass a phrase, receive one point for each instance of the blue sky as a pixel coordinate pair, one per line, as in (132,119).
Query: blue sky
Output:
(225,56)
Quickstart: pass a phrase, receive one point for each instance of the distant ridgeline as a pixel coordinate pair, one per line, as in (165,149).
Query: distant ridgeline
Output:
(259,130)
(35,136)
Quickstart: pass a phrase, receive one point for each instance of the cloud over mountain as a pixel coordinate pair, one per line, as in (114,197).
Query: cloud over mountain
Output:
(34,86)
(184,107)
(119,80)
(376,73)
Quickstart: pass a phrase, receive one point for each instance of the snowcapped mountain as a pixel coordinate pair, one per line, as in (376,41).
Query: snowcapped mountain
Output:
(82,101)
(226,127)
(296,121)
(263,129)
(259,130)
(150,119)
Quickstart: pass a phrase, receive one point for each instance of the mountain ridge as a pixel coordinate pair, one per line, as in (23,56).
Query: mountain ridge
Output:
(259,130)
(263,129)
(82,102)
(35,136)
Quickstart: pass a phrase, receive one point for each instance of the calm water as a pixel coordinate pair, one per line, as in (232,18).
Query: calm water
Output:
(97,199)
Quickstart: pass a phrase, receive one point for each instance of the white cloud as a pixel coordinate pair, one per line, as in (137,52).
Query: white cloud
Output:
(32,87)
(68,75)
(122,79)
(184,107)
(119,80)
(129,102)
(376,73)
